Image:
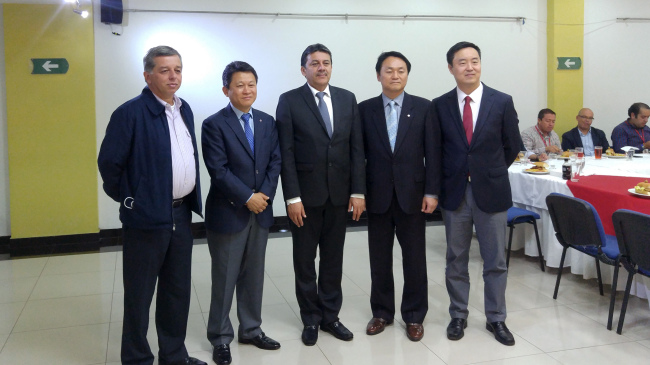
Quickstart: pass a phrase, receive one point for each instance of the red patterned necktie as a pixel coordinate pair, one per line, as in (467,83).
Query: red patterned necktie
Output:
(468,122)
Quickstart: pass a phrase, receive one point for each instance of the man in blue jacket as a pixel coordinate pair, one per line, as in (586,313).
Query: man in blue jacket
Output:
(149,164)
(584,135)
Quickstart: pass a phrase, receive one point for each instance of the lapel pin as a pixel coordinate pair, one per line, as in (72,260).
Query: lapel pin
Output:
(408,115)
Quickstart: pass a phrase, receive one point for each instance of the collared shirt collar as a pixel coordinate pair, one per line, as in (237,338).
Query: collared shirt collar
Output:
(326,91)
(177,102)
(584,135)
(399,100)
(476,95)
(239,113)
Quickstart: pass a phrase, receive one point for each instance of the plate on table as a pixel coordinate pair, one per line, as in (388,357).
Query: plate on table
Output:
(537,172)
(608,156)
(631,191)
(563,158)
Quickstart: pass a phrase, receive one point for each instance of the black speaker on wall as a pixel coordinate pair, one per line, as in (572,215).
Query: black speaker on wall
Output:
(112,11)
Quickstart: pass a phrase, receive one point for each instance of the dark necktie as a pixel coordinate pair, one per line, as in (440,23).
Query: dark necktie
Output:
(249,132)
(322,108)
(468,122)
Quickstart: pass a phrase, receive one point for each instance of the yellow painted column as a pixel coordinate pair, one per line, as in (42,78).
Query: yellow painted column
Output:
(50,122)
(565,38)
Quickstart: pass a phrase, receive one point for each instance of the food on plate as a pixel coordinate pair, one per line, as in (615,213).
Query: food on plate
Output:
(642,188)
(566,154)
(538,167)
(610,152)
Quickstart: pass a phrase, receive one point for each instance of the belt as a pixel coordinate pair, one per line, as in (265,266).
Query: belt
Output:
(177,203)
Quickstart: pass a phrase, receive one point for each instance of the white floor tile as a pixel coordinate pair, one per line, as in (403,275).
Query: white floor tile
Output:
(69,285)
(64,312)
(21,268)
(66,346)
(9,313)
(17,290)
(72,264)
(560,328)
(540,359)
(621,353)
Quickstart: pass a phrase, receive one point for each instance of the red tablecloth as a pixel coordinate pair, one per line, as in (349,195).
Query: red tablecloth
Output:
(608,194)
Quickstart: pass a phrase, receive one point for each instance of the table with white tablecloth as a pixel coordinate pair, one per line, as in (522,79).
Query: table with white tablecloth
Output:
(529,192)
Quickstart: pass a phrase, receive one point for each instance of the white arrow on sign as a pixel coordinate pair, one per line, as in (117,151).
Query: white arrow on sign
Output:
(568,63)
(48,66)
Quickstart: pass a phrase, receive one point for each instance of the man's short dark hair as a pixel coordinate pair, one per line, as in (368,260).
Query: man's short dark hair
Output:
(543,112)
(236,66)
(636,108)
(385,55)
(158,51)
(457,47)
(311,49)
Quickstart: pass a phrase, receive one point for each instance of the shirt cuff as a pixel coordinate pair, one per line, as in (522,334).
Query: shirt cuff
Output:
(431,196)
(293,200)
(249,198)
(358,196)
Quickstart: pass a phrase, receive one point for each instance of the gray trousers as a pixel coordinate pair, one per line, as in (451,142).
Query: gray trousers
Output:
(491,234)
(237,262)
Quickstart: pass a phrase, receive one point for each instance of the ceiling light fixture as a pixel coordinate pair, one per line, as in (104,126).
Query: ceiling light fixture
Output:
(77,10)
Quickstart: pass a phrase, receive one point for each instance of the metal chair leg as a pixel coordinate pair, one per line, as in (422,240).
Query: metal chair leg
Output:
(600,278)
(626,296)
(512,228)
(559,273)
(612,298)
(539,246)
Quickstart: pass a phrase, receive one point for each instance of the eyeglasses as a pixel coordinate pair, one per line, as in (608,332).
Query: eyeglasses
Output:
(590,118)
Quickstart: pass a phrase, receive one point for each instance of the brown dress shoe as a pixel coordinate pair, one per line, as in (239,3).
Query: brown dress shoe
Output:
(414,331)
(377,325)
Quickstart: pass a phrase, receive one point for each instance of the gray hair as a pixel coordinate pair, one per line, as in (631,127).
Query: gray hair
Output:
(159,51)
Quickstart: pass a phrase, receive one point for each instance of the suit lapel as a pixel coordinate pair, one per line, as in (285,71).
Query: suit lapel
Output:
(233,123)
(454,111)
(379,118)
(404,121)
(487,100)
(258,132)
(311,102)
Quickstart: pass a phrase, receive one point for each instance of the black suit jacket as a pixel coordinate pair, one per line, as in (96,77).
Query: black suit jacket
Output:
(315,167)
(571,139)
(404,170)
(495,144)
(235,173)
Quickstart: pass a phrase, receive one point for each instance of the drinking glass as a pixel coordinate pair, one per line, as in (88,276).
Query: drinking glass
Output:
(580,152)
(523,160)
(598,152)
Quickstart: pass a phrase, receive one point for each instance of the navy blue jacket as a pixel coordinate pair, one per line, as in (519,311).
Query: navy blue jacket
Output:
(571,139)
(495,144)
(235,173)
(135,162)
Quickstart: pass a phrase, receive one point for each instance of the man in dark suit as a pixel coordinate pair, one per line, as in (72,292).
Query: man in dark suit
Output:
(584,135)
(477,128)
(149,164)
(401,185)
(242,155)
(322,178)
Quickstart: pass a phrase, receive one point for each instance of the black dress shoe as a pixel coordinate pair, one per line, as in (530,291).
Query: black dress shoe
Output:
(455,329)
(261,341)
(501,333)
(310,335)
(221,354)
(338,330)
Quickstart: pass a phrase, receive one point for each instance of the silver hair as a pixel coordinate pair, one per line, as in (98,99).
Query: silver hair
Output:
(158,51)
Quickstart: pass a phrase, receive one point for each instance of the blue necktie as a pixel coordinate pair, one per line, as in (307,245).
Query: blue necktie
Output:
(391,124)
(249,132)
(322,108)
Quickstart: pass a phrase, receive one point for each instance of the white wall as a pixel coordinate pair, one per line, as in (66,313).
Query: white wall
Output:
(616,60)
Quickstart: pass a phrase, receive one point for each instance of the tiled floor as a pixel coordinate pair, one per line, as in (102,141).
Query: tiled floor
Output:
(68,310)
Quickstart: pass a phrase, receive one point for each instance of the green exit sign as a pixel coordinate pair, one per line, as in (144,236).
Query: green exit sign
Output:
(49,66)
(569,63)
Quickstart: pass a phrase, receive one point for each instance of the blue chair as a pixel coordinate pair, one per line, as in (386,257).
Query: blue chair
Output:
(633,235)
(517,216)
(578,226)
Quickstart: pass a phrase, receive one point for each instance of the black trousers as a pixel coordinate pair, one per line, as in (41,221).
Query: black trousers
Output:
(410,231)
(319,298)
(164,255)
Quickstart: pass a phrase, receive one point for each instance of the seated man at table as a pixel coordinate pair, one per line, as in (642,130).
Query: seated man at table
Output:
(584,135)
(541,137)
(634,131)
